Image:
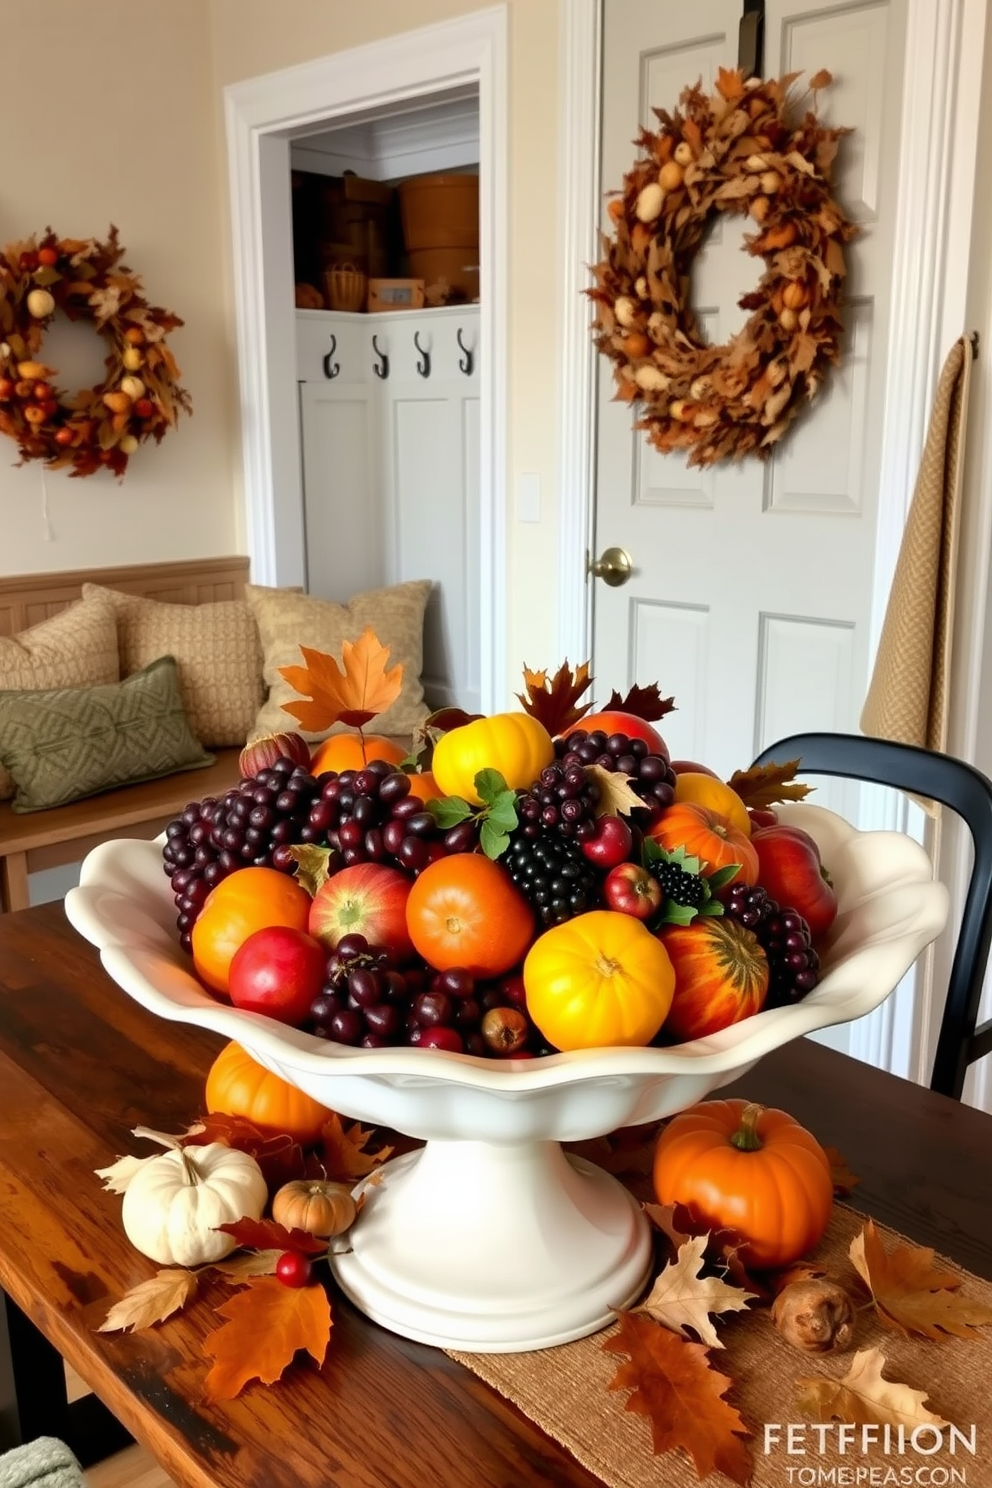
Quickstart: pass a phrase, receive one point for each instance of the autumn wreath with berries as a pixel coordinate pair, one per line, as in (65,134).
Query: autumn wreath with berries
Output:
(140,397)
(732,152)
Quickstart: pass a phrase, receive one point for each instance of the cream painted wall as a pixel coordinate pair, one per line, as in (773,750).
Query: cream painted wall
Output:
(252,37)
(110,119)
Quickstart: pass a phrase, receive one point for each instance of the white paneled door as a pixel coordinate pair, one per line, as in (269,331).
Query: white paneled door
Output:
(751,591)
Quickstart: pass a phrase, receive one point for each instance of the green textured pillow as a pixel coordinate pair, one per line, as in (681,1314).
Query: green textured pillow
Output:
(65,743)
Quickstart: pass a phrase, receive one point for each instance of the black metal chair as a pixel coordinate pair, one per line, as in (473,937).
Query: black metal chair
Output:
(955,784)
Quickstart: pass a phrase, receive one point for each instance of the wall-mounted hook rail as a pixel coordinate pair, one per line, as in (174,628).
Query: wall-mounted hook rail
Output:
(424,364)
(331,368)
(467,360)
(381,368)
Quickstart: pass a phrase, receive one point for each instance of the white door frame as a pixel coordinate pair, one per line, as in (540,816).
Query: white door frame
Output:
(262,115)
(939,135)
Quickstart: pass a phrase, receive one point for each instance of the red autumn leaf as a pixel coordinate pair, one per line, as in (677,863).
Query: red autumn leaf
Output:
(765,785)
(673,1383)
(553,702)
(643,702)
(266,1324)
(265,1234)
(344,1154)
(353,693)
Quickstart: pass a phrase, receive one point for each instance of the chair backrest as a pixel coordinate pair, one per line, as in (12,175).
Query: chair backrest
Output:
(955,784)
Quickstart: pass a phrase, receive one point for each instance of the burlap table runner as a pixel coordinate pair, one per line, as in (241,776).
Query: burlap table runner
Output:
(565,1391)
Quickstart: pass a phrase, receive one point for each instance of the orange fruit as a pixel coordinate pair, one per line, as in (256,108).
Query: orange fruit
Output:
(343,752)
(708,791)
(466,911)
(424,786)
(247,900)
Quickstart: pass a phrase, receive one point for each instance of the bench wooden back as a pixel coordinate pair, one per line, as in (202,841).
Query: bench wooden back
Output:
(25,599)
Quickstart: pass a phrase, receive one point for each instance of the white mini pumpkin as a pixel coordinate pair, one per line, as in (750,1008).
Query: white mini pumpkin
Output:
(174,1202)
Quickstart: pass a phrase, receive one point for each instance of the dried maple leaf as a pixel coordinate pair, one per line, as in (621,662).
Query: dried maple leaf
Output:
(764,785)
(344,1152)
(352,693)
(279,1155)
(615,796)
(151,1301)
(674,1385)
(863,1397)
(910,1293)
(117,1177)
(265,1234)
(266,1324)
(680,1298)
(643,702)
(313,865)
(843,1179)
(554,703)
(670,1220)
(247,1263)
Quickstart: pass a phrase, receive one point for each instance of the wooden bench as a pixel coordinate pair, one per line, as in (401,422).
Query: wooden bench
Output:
(65,834)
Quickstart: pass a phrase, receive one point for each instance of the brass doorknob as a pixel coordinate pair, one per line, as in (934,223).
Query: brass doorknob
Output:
(613,567)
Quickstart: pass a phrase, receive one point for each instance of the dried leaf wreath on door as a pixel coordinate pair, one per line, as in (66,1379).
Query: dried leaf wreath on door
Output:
(140,397)
(732,152)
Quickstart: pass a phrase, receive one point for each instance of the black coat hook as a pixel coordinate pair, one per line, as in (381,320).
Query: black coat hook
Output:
(751,38)
(467,361)
(424,365)
(331,368)
(381,368)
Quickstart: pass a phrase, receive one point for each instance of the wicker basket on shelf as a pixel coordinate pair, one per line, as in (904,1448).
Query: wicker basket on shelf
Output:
(345,287)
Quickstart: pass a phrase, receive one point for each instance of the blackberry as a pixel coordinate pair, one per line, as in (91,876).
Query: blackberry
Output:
(793,964)
(552,874)
(651,775)
(678,885)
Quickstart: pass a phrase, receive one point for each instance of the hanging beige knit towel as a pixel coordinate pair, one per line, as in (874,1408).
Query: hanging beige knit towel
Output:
(908,694)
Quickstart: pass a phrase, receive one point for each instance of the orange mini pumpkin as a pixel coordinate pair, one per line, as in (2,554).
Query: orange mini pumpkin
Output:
(238,1085)
(751,1169)
(706,835)
(342,752)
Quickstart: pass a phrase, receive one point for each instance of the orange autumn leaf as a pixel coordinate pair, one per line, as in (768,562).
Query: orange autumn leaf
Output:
(344,1155)
(352,693)
(675,1386)
(912,1294)
(765,785)
(266,1324)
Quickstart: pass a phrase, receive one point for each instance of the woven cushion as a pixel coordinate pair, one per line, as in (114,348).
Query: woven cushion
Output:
(75,648)
(69,742)
(286,620)
(217,651)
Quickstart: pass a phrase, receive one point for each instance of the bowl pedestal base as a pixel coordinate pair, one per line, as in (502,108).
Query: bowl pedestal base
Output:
(495,1248)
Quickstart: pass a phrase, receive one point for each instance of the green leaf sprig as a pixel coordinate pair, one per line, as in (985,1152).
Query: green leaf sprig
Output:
(497,816)
(673,913)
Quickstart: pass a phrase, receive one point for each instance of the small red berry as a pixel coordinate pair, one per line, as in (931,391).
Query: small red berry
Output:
(448,1039)
(48,257)
(293,1268)
(28,262)
(144,407)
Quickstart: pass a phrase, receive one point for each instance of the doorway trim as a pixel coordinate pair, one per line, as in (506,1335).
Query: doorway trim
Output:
(939,144)
(263,115)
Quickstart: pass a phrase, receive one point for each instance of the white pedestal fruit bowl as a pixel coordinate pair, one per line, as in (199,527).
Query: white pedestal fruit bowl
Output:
(491,1238)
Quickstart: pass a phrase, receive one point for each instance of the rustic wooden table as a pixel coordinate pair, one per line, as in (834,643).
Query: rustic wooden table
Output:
(81,1064)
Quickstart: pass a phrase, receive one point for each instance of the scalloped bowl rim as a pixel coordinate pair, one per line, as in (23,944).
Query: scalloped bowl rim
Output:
(123,905)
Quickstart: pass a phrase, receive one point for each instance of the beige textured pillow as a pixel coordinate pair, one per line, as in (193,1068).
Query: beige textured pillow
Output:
(217,650)
(287,620)
(75,648)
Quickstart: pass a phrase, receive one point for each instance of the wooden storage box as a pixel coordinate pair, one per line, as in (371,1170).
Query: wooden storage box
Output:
(395,294)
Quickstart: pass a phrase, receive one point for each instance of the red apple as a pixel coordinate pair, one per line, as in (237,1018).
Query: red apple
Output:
(763,816)
(789,868)
(690,767)
(611,844)
(615,721)
(277,971)
(365,899)
(631,889)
